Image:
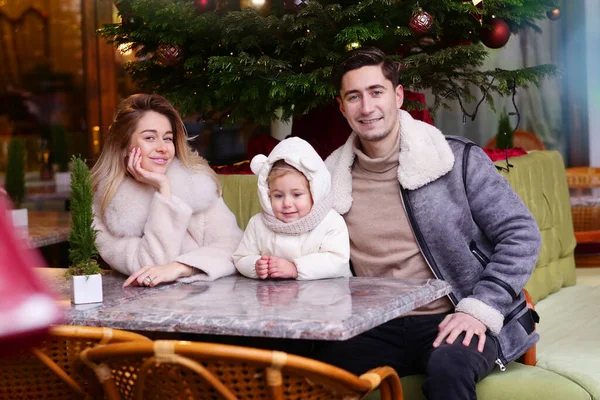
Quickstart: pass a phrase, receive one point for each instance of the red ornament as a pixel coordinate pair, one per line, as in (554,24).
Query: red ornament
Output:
(169,54)
(203,6)
(495,33)
(420,22)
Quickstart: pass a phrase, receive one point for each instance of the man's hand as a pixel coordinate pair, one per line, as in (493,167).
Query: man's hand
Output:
(280,268)
(455,324)
(262,267)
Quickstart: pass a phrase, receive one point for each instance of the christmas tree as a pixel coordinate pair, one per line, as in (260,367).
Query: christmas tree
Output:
(253,62)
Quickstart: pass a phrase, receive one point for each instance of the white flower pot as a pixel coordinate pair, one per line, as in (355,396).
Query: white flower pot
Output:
(280,129)
(62,179)
(86,289)
(19,217)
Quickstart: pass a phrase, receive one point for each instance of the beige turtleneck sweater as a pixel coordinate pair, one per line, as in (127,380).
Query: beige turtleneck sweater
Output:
(382,243)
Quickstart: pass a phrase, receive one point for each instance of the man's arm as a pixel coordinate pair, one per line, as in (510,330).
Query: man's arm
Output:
(514,233)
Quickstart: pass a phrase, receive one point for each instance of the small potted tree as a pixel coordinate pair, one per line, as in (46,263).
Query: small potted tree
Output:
(84,271)
(15,181)
(60,159)
(504,136)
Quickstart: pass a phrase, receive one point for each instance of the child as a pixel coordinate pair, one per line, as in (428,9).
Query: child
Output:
(298,235)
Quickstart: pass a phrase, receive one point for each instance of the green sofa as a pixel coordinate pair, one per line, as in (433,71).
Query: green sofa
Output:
(539,178)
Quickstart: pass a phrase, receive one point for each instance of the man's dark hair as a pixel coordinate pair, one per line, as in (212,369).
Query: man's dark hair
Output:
(362,57)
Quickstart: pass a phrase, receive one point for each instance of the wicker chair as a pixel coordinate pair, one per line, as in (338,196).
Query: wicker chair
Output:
(586,217)
(584,186)
(50,371)
(186,370)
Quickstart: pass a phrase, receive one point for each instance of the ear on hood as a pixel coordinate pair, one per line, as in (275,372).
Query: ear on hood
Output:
(258,163)
(310,164)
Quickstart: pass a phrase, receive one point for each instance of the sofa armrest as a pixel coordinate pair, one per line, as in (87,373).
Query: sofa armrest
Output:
(530,356)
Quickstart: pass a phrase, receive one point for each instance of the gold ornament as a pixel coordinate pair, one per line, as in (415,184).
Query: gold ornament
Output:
(553,15)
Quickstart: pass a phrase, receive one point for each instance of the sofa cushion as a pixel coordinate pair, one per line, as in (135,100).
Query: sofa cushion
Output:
(539,178)
(518,382)
(569,331)
(240,193)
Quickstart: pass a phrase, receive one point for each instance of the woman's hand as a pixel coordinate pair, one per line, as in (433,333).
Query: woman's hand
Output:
(153,275)
(281,268)
(134,167)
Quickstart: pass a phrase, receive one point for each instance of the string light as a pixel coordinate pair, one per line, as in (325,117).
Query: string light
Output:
(352,45)
(126,48)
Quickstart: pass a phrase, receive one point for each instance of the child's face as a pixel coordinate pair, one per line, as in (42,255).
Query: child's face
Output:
(290,197)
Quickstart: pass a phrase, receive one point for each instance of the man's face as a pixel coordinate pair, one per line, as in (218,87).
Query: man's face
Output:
(370,103)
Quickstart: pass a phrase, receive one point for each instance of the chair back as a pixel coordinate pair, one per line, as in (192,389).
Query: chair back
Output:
(186,370)
(50,371)
(583,177)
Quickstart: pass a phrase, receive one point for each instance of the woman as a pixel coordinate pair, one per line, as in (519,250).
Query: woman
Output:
(158,209)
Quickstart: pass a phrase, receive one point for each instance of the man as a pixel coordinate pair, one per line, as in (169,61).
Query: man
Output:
(422,205)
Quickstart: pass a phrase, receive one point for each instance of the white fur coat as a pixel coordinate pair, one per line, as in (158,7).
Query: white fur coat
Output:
(141,227)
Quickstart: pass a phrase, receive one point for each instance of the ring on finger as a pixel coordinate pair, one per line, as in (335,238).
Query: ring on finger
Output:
(148,279)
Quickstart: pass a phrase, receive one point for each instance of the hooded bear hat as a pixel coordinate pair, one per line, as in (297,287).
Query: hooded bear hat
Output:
(299,154)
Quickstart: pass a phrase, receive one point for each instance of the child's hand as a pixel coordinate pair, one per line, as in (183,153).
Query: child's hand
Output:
(280,268)
(262,267)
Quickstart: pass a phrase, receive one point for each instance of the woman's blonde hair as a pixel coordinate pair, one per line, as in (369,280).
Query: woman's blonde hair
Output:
(111,168)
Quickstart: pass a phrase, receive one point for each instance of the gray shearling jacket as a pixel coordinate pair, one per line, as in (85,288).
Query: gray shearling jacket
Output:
(472,228)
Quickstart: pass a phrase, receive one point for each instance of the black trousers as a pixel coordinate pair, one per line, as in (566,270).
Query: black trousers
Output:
(406,344)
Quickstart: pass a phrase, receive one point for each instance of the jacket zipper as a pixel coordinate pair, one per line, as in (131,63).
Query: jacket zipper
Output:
(421,242)
(483,260)
(498,360)
(501,283)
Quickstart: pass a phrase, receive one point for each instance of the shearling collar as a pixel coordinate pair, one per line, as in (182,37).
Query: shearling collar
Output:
(127,212)
(424,157)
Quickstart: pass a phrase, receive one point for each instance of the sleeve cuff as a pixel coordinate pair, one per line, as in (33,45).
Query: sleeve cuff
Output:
(489,316)
(209,264)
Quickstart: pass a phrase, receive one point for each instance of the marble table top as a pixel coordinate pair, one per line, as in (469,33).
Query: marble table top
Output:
(329,309)
(46,228)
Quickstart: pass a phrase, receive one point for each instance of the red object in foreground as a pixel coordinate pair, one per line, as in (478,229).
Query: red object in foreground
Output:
(26,308)
(500,154)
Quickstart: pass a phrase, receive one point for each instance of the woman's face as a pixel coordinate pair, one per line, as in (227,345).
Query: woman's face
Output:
(154,136)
